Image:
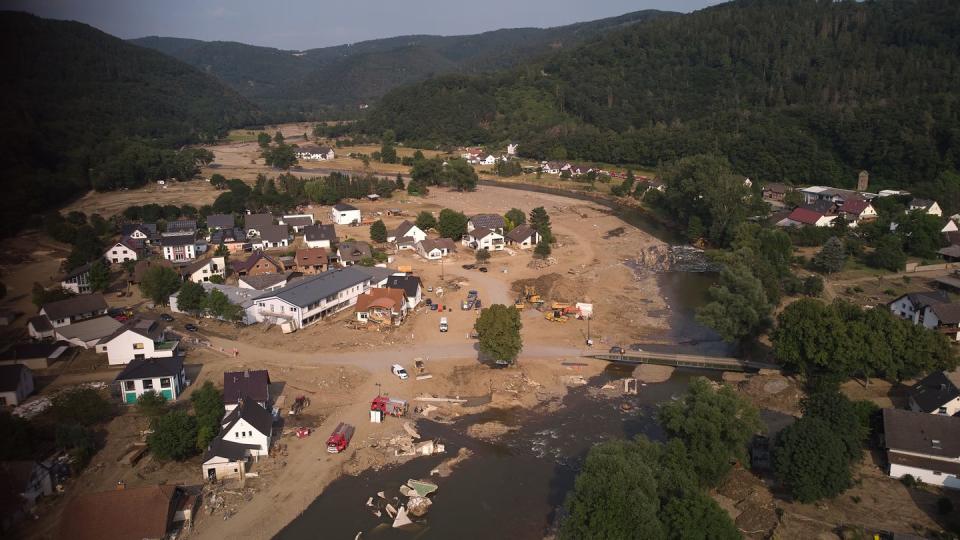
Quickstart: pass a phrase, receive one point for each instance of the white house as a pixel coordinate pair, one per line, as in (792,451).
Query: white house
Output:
(203,269)
(163,376)
(138,339)
(412,288)
(494,222)
(315,153)
(320,236)
(927,206)
(484,239)
(297,222)
(74,309)
(856,211)
(249,423)
(78,279)
(312,298)
(272,237)
(407,230)
(951,225)
(942,317)
(512,149)
(924,446)
(800,217)
(345,214)
(937,393)
(16,383)
(179,248)
(123,251)
(910,305)
(434,250)
(523,237)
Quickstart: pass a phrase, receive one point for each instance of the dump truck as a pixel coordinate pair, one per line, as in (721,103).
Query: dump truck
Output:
(340,438)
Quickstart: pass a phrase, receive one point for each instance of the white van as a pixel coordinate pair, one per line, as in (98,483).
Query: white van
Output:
(398,370)
(443,324)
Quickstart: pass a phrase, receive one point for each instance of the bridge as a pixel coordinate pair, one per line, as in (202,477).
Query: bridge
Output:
(683,360)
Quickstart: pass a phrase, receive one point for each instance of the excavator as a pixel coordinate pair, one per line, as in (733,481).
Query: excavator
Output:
(529,296)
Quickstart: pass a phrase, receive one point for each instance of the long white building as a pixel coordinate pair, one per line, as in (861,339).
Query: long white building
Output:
(310,299)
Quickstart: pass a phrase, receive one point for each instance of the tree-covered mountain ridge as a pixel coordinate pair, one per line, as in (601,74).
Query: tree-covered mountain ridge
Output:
(797,90)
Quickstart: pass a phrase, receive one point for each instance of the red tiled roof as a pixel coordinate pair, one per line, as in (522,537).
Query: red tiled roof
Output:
(854,206)
(805,216)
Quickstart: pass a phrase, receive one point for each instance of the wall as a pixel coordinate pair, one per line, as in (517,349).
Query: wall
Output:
(945,480)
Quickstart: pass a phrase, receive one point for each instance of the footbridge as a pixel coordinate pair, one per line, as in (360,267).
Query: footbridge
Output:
(683,360)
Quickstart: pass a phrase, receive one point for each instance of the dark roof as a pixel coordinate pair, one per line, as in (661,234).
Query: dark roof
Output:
(148,328)
(821,206)
(311,256)
(182,225)
(227,449)
(929,464)
(776,187)
(521,233)
(149,229)
(143,265)
(254,385)
(409,284)
(921,203)
(854,206)
(317,231)
(354,251)
(255,415)
(925,298)
(264,281)
(75,305)
(298,221)
(402,229)
(488,221)
(275,233)
(952,251)
(10,376)
(934,391)
(257,221)
(195,265)
(376,273)
(235,234)
(121,514)
(429,244)
(481,232)
(312,289)
(246,265)
(220,221)
(149,368)
(40,323)
(921,433)
(343,207)
(23,351)
(178,240)
(947,313)
(83,269)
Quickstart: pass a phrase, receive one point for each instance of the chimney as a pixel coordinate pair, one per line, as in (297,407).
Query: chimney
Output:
(863,180)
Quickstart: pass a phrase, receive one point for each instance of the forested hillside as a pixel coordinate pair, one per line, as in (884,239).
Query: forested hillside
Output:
(84,109)
(788,89)
(303,84)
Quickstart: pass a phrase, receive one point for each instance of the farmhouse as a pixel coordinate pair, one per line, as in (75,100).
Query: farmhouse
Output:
(345,214)
(16,383)
(925,446)
(937,393)
(123,251)
(179,248)
(163,376)
(318,235)
(138,339)
(523,237)
(203,269)
(382,306)
(407,230)
(312,298)
(78,279)
(484,239)
(433,250)
(253,386)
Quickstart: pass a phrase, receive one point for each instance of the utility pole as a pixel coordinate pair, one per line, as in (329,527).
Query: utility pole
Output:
(441,267)
(589,341)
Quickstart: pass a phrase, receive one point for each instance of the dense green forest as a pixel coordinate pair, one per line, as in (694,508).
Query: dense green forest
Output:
(295,85)
(84,109)
(803,90)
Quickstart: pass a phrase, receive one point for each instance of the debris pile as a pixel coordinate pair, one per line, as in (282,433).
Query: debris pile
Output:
(539,264)
(417,504)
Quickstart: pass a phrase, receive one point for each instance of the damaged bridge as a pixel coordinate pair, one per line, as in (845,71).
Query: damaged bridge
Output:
(721,363)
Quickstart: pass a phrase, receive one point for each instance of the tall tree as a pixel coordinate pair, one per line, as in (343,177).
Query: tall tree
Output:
(426,221)
(516,216)
(452,224)
(738,307)
(192,298)
(831,257)
(498,330)
(158,283)
(378,231)
(99,276)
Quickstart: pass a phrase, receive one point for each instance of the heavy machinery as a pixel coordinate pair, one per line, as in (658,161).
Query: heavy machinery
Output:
(299,404)
(531,296)
(555,315)
(340,438)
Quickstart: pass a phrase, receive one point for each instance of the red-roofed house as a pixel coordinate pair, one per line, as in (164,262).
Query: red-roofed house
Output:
(803,216)
(382,306)
(857,210)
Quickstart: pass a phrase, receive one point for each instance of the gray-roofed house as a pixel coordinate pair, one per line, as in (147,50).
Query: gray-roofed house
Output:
(937,393)
(927,206)
(74,309)
(202,270)
(267,282)
(345,214)
(925,446)
(88,332)
(181,227)
(179,247)
(350,253)
(253,386)
(254,223)
(311,298)
(407,229)
(145,232)
(220,221)
(138,338)
(163,376)
(272,237)
(523,237)
(493,222)
(378,274)
(943,318)
(319,235)
(39,327)
(412,288)
(297,222)
(224,459)
(33,355)
(16,383)
(910,305)
(78,279)
(435,249)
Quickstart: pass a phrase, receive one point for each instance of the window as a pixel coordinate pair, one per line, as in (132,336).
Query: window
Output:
(165,382)
(942,410)
(148,384)
(138,346)
(129,386)
(236,434)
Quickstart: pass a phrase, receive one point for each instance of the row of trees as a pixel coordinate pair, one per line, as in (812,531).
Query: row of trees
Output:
(644,489)
(455,173)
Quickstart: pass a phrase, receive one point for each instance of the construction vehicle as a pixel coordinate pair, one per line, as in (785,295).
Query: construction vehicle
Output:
(381,406)
(299,404)
(519,304)
(530,295)
(555,315)
(340,438)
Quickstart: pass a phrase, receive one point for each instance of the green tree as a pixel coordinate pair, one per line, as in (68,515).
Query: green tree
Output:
(738,306)
(218,181)
(516,216)
(208,407)
(482,256)
(452,224)
(388,150)
(158,283)
(459,175)
(378,231)
(831,257)
(498,330)
(192,298)
(715,425)
(811,461)
(219,305)
(426,221)
(543,249)
(813,286)
(216,279)
(99,276)
(174,436)
(280,157)
(278,138)
(696,516)
(888,254)
(151,404)
(17,438)
(83,406)
(79,441)
(263,139)
(921,234)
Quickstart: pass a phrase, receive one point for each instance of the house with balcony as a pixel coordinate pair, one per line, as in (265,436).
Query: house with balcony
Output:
(138,339)
(179,247)
(312,298)
(484,239)
(163,376)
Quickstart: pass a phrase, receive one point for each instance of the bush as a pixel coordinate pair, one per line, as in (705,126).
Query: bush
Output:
(174,436)
(84,406)
(151,404)
(813,286)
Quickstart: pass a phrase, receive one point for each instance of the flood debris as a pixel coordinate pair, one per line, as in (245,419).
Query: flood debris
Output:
(630,386)
(417,506)
(422,487)
(401,520)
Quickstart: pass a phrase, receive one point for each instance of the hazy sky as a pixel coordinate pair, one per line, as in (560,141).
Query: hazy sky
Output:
(305,24)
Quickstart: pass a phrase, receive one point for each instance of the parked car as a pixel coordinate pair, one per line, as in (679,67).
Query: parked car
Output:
(482,269)
(616,350)
(469,266)
(166,317)
(429,289)
(443,324)
(433,307)
(428,301)
(398,370)
(191,327)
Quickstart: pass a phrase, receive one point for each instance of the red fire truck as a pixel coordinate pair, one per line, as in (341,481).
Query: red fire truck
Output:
(340,438)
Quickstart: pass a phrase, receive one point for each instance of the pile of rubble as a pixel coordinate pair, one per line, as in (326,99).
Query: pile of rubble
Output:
(539,264)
